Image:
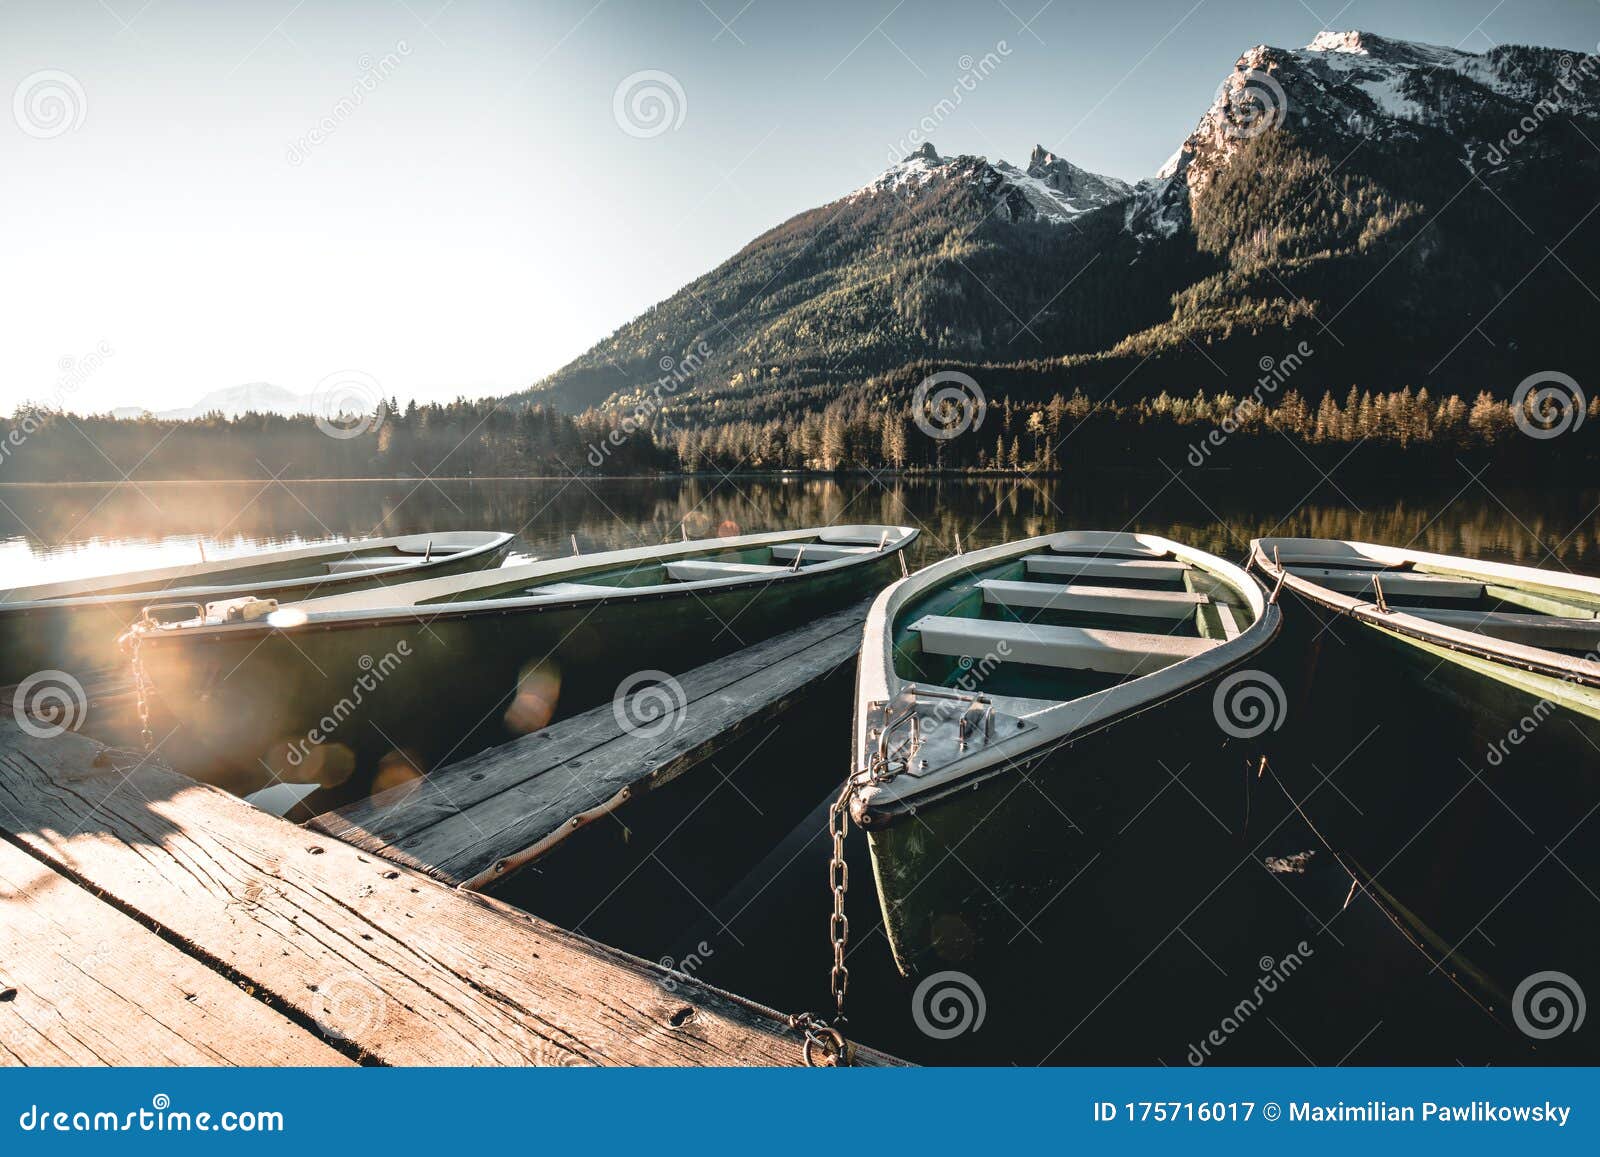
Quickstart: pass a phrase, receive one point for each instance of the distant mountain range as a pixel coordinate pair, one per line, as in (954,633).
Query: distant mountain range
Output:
(231,402)
(1417,215)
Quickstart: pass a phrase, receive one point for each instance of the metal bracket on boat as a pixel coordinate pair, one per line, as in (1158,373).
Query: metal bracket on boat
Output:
(148,615)
(1377,588)
(1277,587)
(924,713)
(798,555)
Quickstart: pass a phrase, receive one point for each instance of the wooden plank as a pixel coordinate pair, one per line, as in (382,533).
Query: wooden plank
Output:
(1530,630)
(1075,648)
(1131,569)
(479,820)
(1394,583)
(404,968)
(1142,604)
(85,985)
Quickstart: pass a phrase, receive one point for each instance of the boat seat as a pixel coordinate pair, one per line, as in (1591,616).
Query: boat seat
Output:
(572,590)
(1133,569)
(1331,561)
(1530,630)
(699,570)
(1076,648)
(1081,550)
(1230,625)
(1127,601)
(818,552)
(358,565)
(1407,583)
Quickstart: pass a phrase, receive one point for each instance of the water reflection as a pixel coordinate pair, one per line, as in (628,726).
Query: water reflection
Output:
(65,531)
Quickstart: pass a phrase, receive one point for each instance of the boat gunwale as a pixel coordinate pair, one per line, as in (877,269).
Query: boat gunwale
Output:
(399,615)
(493,541)
(875,806)
(1504,652)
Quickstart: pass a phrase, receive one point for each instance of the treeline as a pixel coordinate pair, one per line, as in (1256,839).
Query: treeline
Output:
(1399,429)
(868,428)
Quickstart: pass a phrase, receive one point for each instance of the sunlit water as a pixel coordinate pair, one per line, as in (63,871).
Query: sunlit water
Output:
(725,870)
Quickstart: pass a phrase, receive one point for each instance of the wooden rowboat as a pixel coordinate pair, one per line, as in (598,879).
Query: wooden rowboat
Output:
(1462,786)
(72,626)
(410,675)
(1014,664)
(1534,631)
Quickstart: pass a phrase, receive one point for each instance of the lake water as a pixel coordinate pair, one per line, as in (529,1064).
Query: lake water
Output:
(724,871)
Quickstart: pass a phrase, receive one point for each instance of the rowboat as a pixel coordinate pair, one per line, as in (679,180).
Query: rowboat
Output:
(1534,632)
(407,676)
(73,625)
(1461,786)
(1035,667)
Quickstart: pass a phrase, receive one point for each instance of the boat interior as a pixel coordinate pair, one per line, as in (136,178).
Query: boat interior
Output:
(652,572)
(1486,599)
(1066,620)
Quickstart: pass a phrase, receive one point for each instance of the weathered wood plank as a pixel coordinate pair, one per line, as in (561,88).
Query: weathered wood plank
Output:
(85,985)
(476,821)
(403,968)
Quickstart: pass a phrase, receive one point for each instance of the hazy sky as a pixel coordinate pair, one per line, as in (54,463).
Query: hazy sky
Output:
(444,194)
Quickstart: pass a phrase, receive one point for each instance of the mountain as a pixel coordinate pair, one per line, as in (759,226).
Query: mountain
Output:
(1416,215)
(252,397)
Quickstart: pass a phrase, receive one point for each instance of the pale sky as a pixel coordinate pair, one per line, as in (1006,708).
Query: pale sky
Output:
(481,215)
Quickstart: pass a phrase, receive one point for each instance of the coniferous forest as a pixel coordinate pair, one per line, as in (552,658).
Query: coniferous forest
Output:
(870,427)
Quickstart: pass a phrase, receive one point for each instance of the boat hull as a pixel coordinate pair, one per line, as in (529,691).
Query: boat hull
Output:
(79,636)
(1081,829)
(319,702)
(1472,816)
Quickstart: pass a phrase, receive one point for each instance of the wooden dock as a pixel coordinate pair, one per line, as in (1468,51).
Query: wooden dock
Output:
(477,821)
(149,919)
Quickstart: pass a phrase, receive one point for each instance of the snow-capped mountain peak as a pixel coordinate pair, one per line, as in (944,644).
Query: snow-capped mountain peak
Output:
(1051,189)
(1353,84)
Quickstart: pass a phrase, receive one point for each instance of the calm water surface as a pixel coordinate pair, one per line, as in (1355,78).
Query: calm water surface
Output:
(724,871)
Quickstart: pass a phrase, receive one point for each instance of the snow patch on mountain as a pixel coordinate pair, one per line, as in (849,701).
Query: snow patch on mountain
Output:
(1051,189)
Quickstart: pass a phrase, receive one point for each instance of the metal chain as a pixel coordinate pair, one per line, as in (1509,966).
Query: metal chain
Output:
(141,691)
(839,884)
(821,1035)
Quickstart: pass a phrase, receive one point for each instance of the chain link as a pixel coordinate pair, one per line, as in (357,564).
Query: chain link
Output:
(839,884)
(141,690)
